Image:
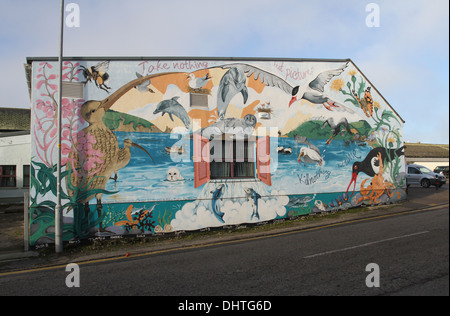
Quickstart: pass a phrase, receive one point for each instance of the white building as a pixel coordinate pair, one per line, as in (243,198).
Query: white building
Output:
(428,155)
(14,164)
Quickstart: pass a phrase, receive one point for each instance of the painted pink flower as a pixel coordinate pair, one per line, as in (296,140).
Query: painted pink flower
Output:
(64,160)
(89,151)
(89,164)
(90,139)
(80,147)
(53,132)
(74,138)
(39,126)
(67,108)
(65,134)
(47,107)
(40,104)
(65,149)
(80,134)
(89,158)
(49,114)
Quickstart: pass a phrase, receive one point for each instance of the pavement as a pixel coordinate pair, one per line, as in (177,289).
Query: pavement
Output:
(14,201)
(13,257)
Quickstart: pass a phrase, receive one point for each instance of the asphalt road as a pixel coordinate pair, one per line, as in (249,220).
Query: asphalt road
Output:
(410,250)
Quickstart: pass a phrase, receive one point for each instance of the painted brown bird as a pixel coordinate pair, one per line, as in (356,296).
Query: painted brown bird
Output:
(93,161)
(99,142)
(124,156)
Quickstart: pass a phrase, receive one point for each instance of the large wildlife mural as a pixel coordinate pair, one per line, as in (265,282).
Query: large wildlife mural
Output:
(161,146)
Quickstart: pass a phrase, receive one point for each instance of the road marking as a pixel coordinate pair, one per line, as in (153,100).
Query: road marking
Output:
(364,245)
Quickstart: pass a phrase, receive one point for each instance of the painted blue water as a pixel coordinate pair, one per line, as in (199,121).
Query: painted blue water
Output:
(333,175)
(146,180)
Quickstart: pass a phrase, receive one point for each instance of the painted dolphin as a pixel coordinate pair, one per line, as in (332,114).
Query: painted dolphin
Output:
(250,193)
(232,83)
(217,194)
(173,107)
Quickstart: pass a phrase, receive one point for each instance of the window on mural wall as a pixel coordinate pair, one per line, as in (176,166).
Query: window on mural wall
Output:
(7,176)
(231,159)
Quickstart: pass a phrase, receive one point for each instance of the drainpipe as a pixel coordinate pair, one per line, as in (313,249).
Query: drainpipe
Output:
(58,209)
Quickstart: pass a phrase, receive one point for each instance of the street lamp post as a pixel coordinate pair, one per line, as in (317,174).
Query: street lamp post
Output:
(58,209)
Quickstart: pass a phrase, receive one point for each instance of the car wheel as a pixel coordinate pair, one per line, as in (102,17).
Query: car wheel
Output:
(425,183)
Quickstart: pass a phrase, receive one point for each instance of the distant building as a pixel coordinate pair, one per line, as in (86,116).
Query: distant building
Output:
(15,152)
(428,155)
(14,120)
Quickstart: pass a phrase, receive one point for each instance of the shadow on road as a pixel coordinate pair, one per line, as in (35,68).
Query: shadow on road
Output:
(417,193)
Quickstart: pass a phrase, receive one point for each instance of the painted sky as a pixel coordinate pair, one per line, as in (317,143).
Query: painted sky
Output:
(406,58)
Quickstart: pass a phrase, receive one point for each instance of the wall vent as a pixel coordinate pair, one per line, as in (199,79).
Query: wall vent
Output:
(73,90)
(199,99)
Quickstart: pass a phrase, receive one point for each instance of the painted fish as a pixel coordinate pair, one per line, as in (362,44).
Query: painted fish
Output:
(301,202)
(250,193)
(217,194)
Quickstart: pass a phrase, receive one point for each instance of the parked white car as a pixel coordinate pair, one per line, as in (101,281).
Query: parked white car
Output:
(420,175)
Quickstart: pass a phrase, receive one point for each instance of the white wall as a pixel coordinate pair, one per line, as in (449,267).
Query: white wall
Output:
(429,163)
(15,150)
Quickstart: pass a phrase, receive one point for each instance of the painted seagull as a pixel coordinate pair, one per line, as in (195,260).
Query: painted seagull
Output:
(198,83)
(314,91)
(143,87)
(371,164)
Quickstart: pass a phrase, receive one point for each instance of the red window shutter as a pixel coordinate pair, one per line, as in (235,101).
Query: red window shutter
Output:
(263,159)
(201,160)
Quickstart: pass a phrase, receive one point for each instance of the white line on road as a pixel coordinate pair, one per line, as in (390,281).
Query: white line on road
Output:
(363,245)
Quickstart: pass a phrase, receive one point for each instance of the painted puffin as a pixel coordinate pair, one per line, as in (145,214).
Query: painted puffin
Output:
(371,165)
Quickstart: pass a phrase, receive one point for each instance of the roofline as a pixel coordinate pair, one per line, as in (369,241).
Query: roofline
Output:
(145,58)
(378,91)
(15,109)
